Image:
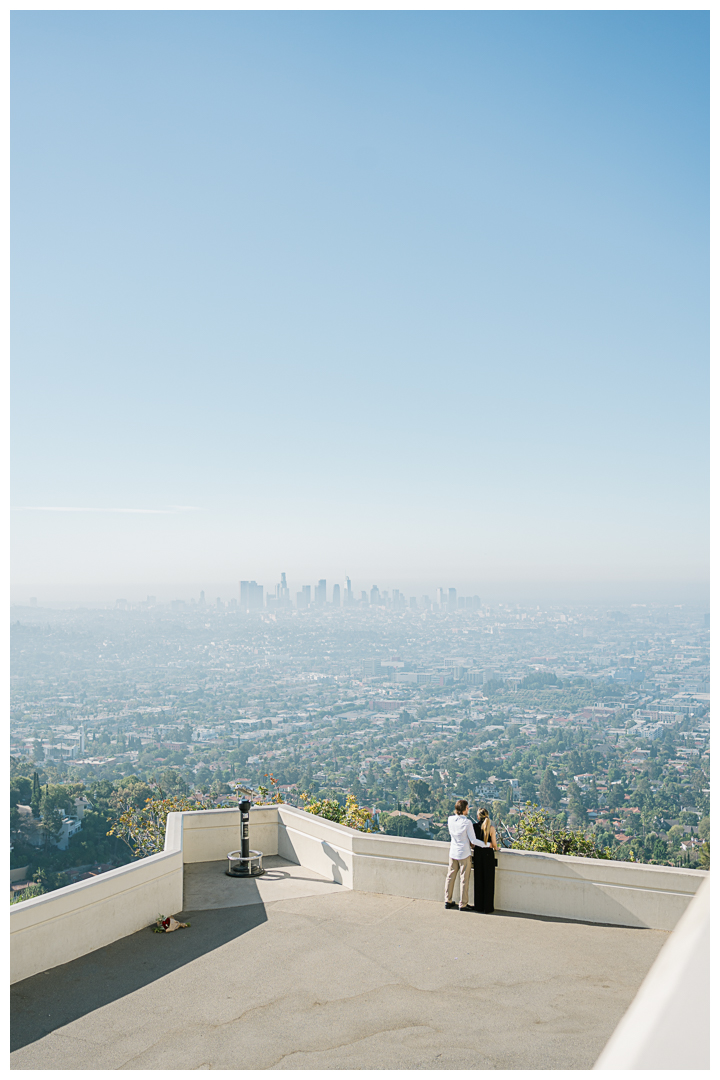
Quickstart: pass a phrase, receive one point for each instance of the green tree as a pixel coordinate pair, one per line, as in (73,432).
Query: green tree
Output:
(576,806)
(660,851)
(536,832)
(173,782)
(616,796)
(131,790)
(419,791)
(51,819)
(676,836)
(36,795)
(548,792)
(49,880)
(704,828)
(20,791)
(399,825)
(144,828)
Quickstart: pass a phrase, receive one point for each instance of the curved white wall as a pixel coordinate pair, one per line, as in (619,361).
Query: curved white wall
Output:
(533,883)
(60,926)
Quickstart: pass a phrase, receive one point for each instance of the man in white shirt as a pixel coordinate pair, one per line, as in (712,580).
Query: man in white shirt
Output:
(462,839)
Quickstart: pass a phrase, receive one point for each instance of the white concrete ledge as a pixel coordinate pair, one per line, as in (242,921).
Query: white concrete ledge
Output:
(209,835)
(527,882)
(60,926)
(668,1023)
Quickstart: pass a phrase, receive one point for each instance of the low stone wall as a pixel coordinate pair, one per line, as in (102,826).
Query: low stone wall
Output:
(562,886)
(209,835)
(321,845)
(60,926)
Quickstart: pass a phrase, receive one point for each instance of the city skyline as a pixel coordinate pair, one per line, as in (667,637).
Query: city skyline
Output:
(491,594)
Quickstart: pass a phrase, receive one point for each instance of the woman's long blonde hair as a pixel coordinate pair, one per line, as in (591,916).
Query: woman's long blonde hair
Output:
(485,823)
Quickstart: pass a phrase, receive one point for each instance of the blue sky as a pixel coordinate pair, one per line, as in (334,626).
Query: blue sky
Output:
(419,297)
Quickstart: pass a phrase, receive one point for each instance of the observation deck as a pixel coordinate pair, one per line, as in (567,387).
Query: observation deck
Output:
(343,956)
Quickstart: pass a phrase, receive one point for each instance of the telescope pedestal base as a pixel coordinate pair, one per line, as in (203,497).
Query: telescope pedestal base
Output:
(245,866)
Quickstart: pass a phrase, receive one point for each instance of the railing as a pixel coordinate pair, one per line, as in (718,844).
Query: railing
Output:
(57,927)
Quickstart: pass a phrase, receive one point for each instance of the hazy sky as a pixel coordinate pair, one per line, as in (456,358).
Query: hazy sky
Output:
(409,296)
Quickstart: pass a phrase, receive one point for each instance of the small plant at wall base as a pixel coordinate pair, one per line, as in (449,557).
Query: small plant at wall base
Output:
(535,832)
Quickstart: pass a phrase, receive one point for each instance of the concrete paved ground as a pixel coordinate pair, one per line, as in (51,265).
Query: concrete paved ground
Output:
(336,980)
(207,886)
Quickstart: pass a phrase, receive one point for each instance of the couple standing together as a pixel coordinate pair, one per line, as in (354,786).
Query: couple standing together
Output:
(466,836)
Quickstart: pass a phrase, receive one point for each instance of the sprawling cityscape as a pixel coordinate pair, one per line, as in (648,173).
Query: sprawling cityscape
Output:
(600,716)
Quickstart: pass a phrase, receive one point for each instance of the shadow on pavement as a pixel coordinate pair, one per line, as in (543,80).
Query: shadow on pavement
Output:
(497,913)
(51,999)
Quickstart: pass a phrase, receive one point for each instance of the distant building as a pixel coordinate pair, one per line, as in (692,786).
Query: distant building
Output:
(336,595)
(251,596)
(321,593)
(282,593)
(627,675)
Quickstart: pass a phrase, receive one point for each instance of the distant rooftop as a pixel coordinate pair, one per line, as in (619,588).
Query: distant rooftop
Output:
(293,971)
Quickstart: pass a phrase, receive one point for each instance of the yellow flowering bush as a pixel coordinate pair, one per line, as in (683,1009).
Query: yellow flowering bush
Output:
(352,815)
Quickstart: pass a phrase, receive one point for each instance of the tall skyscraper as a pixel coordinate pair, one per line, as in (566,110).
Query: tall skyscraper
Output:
(321,593)
(452,600)
(336,595)
(348,592)
(251,596)
(374,595)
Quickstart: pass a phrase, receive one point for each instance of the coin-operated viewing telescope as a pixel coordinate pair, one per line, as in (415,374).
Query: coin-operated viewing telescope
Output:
(245,862)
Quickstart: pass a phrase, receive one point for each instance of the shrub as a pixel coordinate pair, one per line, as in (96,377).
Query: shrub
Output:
(144,828)
(352,815)
(27,893)
(536,832)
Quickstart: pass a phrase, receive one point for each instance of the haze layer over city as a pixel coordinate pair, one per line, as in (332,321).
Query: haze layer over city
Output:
(360,436)
(601,716)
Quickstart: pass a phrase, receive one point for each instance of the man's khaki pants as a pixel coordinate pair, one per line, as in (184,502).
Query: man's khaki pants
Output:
(464,866)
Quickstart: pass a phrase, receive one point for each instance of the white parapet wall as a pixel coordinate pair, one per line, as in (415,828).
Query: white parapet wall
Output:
(210,835)
(60,926)
(527,882)
(668,1023)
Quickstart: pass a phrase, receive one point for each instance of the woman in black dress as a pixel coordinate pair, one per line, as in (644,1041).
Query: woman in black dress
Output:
(484,863)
